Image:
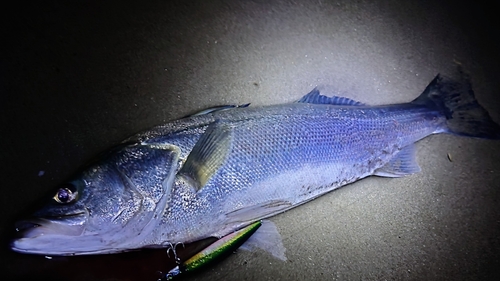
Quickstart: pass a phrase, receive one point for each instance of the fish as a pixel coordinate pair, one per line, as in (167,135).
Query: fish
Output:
(211,174)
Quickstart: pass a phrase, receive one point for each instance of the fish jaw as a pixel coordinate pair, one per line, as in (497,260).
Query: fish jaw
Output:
(82,234)
(72,226)
(44,235)
(72,237)
(109,207)
(61,245)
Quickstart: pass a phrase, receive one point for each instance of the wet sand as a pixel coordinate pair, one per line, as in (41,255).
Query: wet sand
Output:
(77,78)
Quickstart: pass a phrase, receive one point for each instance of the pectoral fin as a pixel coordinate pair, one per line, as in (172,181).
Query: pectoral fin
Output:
(208,155)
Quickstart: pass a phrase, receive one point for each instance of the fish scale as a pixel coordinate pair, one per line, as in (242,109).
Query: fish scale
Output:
(214,173)
(268,155)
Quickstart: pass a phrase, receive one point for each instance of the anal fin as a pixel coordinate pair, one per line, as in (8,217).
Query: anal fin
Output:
(266,238)
(402,164)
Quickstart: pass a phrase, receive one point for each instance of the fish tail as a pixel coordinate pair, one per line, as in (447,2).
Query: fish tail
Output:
(454,98)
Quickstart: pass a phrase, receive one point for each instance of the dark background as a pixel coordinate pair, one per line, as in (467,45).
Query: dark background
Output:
(79,76)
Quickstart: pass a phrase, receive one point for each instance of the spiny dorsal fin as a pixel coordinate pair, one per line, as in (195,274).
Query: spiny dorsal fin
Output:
(208,154)
(316,98)
(218,108)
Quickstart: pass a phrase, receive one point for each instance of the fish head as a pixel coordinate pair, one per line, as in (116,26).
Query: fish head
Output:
(109,207)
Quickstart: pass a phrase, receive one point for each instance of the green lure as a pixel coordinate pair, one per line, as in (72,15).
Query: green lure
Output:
(218,250)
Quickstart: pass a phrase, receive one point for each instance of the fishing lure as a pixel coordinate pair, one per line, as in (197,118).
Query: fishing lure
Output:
(216,251)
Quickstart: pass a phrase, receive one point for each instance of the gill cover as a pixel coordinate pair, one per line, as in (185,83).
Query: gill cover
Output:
(109,207)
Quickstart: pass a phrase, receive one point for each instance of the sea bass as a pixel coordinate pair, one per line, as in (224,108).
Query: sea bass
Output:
(211,174)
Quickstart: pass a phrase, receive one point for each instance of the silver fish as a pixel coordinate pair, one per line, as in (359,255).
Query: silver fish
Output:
(211,174)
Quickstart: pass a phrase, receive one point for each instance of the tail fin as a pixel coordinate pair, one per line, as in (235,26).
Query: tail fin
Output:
(455,99)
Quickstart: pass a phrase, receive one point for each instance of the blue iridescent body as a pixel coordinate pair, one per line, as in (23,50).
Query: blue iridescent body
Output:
(211,174)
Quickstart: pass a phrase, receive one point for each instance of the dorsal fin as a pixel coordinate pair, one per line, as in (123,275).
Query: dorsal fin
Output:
(218,108)
(316,98)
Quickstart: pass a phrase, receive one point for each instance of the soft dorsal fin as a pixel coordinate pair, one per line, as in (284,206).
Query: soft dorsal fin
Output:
(316,98)
(208,154)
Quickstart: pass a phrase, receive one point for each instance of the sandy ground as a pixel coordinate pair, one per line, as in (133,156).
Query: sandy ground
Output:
(79,76)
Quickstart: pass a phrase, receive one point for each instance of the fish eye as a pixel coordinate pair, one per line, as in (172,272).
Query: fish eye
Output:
(66,194)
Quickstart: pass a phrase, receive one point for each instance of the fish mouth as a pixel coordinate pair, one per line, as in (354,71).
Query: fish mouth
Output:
(49,234)
(69,225)
(66,236)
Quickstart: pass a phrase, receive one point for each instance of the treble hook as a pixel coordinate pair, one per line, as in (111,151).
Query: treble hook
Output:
(173,248)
